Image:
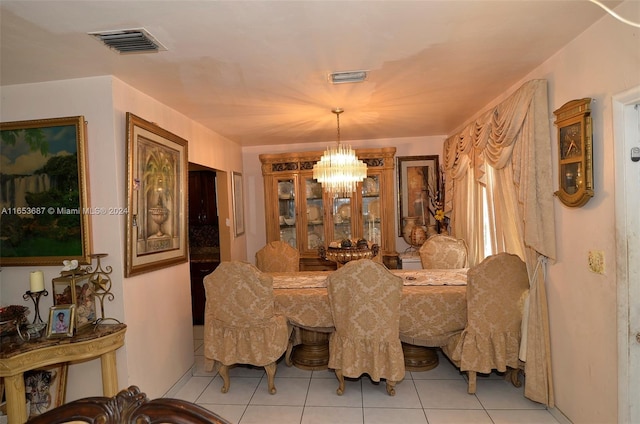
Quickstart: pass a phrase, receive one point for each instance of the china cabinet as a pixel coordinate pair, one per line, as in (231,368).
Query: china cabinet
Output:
(300,213)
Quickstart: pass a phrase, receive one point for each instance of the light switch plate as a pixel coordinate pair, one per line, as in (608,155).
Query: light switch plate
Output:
(596,261)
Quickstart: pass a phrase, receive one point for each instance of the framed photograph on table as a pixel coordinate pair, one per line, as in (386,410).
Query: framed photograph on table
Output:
(418,178)
(238,206)
(62,320)
(44,181)
(157,197)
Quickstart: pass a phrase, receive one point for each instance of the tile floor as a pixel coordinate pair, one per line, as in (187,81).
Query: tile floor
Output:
(438,396)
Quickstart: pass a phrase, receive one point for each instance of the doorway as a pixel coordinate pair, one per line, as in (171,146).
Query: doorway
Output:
(204,234)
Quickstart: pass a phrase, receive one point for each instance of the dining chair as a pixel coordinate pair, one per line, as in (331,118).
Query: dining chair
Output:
(240,325)
(278,256)
(496,291)
(443,252)
(130,406)
(365,304)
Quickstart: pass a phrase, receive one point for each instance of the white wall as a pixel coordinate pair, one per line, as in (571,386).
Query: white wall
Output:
(254,188)
(156,306)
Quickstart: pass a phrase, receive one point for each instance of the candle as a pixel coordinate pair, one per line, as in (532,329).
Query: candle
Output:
(36,281)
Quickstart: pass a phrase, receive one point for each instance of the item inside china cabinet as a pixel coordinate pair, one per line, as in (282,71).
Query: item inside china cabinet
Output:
(285,190)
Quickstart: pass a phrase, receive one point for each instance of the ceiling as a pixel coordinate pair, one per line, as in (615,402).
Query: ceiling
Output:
(255,72)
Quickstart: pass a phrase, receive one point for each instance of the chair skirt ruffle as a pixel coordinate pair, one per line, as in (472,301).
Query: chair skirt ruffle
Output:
(471,352)
(377,358)
(257,344)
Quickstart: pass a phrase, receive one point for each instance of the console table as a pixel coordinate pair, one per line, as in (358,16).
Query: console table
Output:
(91,342)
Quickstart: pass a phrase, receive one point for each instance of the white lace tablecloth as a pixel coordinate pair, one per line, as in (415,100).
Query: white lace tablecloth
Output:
(433,305)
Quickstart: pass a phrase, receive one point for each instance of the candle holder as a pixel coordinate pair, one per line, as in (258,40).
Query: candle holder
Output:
(35,297)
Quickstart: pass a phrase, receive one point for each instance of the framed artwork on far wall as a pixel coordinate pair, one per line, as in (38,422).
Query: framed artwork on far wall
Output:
(238,207)
(45,217)
(418,179)
(156,230)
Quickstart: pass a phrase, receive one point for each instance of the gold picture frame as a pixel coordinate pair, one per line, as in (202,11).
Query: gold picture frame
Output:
(238,205)
(156,230)
(418,182)
(45,171)
(62,320)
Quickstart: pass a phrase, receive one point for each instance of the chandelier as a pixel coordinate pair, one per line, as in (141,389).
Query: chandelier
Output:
(339,169)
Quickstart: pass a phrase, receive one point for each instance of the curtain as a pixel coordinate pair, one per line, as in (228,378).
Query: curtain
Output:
(503,158)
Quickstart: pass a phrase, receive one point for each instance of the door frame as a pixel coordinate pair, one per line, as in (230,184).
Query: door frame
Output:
(626,130)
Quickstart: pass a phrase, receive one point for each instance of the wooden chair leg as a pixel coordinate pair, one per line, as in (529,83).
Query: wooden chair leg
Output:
(472,382)
(287,355)
(224,373)
(271,375)
(391,388)
(512,375)
(340,377)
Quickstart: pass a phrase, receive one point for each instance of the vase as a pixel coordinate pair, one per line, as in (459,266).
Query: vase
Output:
(409,224)
(412,233)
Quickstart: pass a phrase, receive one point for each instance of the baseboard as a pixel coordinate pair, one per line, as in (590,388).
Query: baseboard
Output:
(558,415)
(173,391)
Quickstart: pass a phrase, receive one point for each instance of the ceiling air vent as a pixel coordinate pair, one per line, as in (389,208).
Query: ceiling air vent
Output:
(125,41)
(347,76)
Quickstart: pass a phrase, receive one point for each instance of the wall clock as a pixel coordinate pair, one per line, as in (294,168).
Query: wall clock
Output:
(575,152)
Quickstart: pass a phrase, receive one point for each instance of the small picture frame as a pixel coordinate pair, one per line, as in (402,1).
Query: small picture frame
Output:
(62,319)
(75,287)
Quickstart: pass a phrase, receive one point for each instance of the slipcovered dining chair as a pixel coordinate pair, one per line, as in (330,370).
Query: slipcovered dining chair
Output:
(496,291)
(240,326)
(365,305)
(278,256)
(443,252)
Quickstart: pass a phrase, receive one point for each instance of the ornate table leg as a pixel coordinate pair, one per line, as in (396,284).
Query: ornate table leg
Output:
(16,400)
(419,358)
(313,353)
(109,374)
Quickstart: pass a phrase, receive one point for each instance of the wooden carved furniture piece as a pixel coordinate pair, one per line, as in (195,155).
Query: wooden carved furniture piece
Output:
(129,407)
(16,358)
(299,212)
(496,290)
(240,326)
(365,304)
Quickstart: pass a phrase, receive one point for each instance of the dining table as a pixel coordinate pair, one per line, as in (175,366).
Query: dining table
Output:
(433,308)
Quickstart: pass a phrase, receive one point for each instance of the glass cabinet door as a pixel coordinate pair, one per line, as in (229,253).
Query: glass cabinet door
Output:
(287,211)
(371,222)
(314,203)
(342,228)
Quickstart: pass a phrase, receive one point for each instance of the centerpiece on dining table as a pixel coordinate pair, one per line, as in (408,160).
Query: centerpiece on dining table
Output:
(346,250)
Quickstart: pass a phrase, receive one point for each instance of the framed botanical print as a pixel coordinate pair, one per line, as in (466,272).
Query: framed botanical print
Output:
(157,197)
(575,153)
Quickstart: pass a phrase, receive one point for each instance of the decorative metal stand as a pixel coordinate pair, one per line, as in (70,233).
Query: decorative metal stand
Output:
(35,328)
(35,297)
(100,281)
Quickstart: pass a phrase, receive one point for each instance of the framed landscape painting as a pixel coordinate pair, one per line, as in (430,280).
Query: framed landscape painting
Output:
(157,197)
(43,192)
